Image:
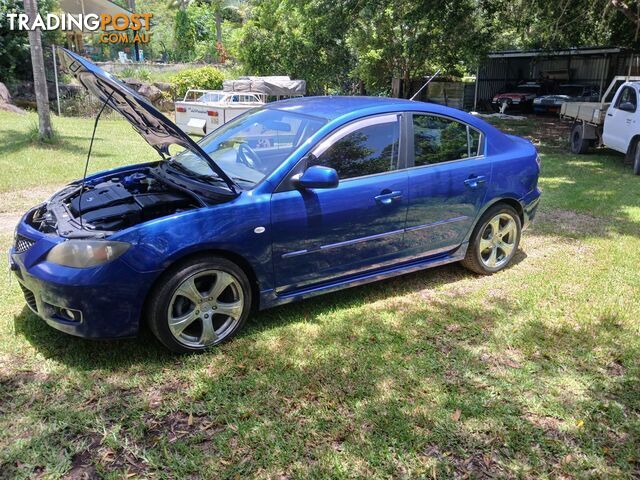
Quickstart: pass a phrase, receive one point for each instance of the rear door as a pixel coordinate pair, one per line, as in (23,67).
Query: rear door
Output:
(447,184)
(620,125)
(320,235)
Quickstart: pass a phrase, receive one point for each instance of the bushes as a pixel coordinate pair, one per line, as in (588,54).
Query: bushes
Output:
(138,73)
(205,78)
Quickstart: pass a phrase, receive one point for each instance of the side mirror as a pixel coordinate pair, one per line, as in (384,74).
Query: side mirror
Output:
(317,177)
(627,107)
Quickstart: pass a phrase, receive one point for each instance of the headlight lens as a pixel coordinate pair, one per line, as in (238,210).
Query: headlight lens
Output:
(86,253)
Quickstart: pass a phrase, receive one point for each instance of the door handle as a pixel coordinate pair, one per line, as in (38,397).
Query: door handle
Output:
(475,181)
(387,197)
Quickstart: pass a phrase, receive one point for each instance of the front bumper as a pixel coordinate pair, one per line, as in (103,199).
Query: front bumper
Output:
(98,302)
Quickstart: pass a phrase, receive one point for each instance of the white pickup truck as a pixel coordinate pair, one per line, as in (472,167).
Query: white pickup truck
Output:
(615,125)
(202,111)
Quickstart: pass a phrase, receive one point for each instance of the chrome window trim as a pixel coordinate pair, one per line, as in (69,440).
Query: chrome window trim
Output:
(431,165)
(345,130)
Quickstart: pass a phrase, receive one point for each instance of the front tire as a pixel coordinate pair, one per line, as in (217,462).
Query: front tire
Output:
(200,303)
(494,240)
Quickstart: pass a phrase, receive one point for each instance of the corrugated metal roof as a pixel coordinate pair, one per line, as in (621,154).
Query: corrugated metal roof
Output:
(542,53)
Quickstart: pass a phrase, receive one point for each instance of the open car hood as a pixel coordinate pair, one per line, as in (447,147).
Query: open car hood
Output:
(153,126)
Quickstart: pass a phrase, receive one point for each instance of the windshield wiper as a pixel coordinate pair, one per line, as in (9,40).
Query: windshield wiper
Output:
(243,180)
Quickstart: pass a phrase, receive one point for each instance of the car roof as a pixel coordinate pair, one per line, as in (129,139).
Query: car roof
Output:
(332,107)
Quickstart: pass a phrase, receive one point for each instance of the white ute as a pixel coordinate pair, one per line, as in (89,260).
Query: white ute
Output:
(202,111)
(615,125)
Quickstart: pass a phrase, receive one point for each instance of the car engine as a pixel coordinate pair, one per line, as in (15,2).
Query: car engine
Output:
(110,203)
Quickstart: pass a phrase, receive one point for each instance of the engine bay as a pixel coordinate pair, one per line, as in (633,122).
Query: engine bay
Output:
(111,203)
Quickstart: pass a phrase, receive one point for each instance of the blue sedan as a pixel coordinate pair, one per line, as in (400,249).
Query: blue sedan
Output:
(294,199)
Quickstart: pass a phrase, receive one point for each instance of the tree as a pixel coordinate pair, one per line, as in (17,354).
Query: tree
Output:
(218,7)
(303,39)
(622,7)
(184,35)
(45,131)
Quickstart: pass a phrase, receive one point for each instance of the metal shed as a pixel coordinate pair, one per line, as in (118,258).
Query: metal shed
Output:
(590,66)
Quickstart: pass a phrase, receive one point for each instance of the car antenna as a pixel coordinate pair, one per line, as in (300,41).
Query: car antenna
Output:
(425,84)
(86,164)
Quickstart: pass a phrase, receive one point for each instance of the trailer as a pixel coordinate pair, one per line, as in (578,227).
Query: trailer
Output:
(614,124)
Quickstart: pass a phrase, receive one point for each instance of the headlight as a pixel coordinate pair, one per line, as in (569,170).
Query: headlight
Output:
(86,253)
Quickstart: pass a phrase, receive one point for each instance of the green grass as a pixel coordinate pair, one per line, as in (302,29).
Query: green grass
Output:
(25,164)
(531,373)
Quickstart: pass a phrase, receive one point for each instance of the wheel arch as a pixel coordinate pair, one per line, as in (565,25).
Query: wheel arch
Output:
(511,201)
(632,148)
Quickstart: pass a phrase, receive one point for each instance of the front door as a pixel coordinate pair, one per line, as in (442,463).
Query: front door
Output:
(447,184)
(620,125)
(320,235)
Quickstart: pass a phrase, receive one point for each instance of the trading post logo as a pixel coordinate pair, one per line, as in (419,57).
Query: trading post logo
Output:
(114,27)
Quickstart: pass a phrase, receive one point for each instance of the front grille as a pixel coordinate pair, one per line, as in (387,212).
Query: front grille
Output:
(23,244)
(29,297)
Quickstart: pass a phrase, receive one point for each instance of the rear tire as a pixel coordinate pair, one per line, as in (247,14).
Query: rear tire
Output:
(199,303)
(579,145)
(636,157)
(494,241)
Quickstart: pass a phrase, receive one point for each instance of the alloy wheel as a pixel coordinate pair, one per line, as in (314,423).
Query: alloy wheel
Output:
(205,308)
(498,241)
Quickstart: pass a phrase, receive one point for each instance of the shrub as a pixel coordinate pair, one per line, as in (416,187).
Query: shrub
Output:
(137,73)
(204,78)
(34,137)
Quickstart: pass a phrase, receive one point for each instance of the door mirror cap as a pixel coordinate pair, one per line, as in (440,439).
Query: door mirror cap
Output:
(627,107)
(317,177)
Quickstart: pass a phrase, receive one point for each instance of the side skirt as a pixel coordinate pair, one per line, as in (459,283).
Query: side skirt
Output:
(269,298)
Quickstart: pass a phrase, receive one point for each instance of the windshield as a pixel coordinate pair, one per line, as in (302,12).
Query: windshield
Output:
(211,97)
(251,146)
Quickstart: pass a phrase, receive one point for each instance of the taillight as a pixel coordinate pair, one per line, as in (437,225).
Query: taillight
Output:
(181,109)
(212,113)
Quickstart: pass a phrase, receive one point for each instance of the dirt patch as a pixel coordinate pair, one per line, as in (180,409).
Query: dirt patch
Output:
(177,425)
(8,222)
(82,464)
(573,223)
(14,204)
(498,363)
(481,465)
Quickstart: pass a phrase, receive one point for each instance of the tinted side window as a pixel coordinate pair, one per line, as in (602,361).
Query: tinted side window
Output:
(438,139)
(628,95)
(368,150)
